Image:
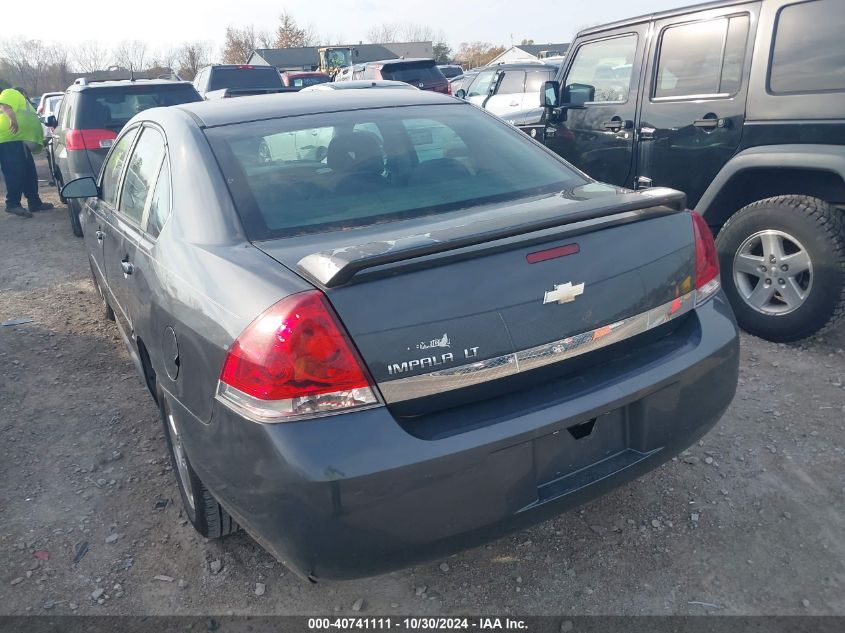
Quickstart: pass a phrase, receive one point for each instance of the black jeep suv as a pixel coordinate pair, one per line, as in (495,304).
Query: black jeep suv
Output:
(741,105)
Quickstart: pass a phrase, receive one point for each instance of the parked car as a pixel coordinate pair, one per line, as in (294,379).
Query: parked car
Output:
(90,117)
(753,131)
(462,81)
(42,102)
(221,81)
(509,88)
(358,84)
(450,71)
(50,108)
(438,333)
(420,73)
(303,79)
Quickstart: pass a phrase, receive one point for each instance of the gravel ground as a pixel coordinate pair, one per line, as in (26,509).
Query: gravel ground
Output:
(751,520)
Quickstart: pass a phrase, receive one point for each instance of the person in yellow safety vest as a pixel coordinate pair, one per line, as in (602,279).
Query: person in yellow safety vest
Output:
(20,134)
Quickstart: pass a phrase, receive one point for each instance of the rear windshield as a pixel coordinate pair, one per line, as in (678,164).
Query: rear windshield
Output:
(302,82)
(317,173)
(262,77)
(111,108)
(451,71)
(424,71)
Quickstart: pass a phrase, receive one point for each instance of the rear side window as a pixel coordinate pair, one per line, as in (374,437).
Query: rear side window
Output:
(259,77)
(114,165)
(160,202)
(411,73)
(144,165)
(534,79)
(66,113)
(701,58)
(111,108)
(605,68)
(808,54)
(512,83)
(424,160)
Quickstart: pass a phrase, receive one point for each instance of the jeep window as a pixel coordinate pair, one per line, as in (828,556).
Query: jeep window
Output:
(605,65)
(808,55)
(428,160)
(512,83)
(701,59)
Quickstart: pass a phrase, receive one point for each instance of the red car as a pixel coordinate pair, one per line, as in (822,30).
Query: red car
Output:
(304,78)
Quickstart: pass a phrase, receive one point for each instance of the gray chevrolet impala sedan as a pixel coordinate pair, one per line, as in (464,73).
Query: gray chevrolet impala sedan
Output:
(382,325)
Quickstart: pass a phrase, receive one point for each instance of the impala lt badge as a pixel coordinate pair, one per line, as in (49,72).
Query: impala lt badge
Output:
(563,293)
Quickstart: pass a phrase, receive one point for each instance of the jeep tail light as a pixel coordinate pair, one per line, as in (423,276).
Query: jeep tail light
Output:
(294,361)
(706,260)
(89,139)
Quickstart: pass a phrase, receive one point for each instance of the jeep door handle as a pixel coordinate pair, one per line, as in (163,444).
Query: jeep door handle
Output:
(617,123)
(127,267)
(100,236)
(710,122)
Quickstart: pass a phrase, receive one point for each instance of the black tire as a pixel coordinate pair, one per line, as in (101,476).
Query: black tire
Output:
(108,313)
(73,212)
(206,515)
(814,300)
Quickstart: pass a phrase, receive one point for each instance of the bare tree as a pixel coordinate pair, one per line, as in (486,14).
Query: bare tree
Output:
(289,34)
(191,57)
(474,54)
(34,65)
(90,57)
(403,32)
(131,54)
(383,33)
(240,43)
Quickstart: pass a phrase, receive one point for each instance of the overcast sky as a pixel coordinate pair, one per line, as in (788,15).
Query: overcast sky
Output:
(163,23)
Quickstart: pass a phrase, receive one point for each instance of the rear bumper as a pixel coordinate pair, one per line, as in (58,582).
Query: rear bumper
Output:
(356,494)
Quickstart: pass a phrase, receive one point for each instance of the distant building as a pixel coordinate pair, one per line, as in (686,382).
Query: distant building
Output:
(529,52)
(308,58)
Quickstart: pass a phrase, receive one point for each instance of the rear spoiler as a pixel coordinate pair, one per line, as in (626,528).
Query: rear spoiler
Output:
(336,267)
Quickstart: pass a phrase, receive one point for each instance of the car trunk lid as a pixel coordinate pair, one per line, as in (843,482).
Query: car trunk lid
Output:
(465,304)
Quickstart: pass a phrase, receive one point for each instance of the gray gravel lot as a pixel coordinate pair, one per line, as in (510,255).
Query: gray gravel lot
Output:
(751,520)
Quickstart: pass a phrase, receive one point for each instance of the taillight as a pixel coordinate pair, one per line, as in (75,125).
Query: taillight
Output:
(294,361)
(89,139)
(706,260)
(448,87)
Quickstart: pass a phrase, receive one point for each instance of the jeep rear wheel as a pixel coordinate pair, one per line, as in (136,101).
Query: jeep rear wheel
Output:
(783,266)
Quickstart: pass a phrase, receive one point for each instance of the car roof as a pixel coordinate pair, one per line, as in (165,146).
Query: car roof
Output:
(122,83)
(660,15)
(400,60)
(259,107)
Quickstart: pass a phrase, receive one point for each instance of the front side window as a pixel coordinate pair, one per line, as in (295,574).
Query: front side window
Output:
(808,54)
(534,79)
(424,160)
(701,58)
(481,84)
(114,165)
(143,167)
(604,68)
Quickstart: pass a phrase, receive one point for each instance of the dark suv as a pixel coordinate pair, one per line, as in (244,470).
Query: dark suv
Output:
(222,81)
(741,105)
(90,118)
(420,73)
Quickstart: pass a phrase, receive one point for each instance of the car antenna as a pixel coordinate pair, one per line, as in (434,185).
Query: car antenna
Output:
(131,74)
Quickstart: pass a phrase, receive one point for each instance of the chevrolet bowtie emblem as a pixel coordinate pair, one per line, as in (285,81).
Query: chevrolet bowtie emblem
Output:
(563,293)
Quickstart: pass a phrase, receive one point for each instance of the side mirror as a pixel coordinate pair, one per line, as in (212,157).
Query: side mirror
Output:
(461,94)
(551,91)
(85,187)
(51,121)
(576,95)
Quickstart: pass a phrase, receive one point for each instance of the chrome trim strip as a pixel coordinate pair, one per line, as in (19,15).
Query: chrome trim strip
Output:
(525,360)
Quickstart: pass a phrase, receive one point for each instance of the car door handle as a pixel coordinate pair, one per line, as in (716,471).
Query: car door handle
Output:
(127,266)
(100,235)
(709,122)
(617,123)
(647,133)
(514,103)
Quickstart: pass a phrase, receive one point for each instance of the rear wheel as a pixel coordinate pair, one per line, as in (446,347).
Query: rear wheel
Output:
(206,515)
(783,266)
